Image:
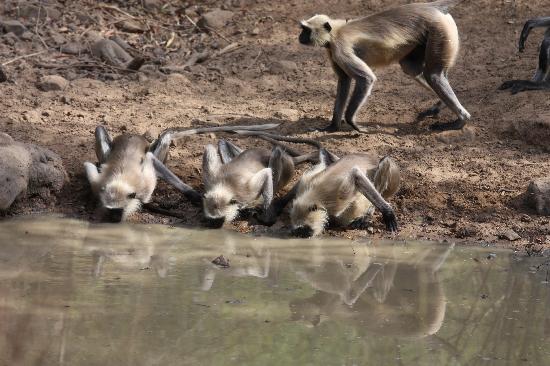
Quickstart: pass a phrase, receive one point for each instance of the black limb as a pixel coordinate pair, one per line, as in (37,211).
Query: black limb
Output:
(166,174)
(103,144)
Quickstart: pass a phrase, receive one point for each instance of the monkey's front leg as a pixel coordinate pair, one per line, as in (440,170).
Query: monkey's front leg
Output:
(281,164)
(365,186)
(364,81)
(342,93)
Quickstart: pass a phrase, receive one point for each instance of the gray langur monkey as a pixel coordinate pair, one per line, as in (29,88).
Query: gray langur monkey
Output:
(345,190)
(541,79)
(128,165)
(235,179)
(421,37)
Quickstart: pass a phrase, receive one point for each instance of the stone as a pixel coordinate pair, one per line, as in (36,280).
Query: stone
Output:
(215,19)
(283,67)
(28,169)
(538,196)
(509,235)
(72,48)
(287,114)
(53,82)
(152,4)
(13,26)
(132,26)
(46,172)
(14,169)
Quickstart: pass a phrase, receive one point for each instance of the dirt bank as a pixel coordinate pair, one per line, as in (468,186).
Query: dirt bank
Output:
(459,185)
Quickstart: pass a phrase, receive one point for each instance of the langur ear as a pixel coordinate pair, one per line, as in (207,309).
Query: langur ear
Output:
(327,26)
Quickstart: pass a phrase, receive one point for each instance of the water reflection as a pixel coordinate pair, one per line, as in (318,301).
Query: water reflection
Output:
(76,294)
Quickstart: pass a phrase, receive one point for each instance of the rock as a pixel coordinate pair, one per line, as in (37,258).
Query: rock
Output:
(152,4)
(28,168)
(53,82)
(283,67)
(538,196)
(27,36)
(72,48)
(287,114)
(46,172)
(255,31)
(13,26)
(10,38)
(215,19)
(132,26)
(14,168)
(509,235)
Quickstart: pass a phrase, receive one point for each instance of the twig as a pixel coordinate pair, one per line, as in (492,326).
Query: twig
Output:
(23,56)
(192,22)
(254,61)
(217,33)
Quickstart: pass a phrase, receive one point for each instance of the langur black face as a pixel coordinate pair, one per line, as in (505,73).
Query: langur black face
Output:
(305,35)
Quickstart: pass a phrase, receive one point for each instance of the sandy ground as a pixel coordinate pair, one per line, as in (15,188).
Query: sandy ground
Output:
(466,186)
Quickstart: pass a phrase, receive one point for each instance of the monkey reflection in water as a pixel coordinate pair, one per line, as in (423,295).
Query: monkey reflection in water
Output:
(395,295)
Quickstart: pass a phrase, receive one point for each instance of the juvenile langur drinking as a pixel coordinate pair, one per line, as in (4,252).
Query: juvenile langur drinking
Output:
(344,190)
(237,179)
(129,165)
(541,79)
(421,37)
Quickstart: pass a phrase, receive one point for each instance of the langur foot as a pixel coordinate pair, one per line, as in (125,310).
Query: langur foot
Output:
(455,125)
(361,223)
(390,221)
(330,128)
(303,232)
(517,86)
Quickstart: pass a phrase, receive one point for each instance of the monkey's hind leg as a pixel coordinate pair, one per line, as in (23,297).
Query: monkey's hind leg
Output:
(103,144)
(282,168)
(413,65)
(540,80)
(228,151)
(441,51)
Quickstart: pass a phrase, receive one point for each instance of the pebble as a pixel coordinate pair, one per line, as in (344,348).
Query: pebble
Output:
(509,235)
(13,26)
(215,19)
(53,82)
(538,195)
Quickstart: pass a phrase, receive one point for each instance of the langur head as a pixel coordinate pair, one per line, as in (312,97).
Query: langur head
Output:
(316,31)
(308,217)
(220,205)
(119,199)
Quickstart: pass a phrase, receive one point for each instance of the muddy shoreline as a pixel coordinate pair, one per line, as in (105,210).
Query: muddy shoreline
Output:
(466,186)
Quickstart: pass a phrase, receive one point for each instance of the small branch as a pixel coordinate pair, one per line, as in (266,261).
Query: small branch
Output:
(23,56)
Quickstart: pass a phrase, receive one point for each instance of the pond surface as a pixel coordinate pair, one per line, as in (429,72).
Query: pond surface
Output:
(76,294)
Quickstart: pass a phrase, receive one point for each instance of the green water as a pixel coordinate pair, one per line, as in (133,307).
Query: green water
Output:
(76,294)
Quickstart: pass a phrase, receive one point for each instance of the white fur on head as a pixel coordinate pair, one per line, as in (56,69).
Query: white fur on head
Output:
(217,204)
(308,212)
(320,36)
(116,194)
